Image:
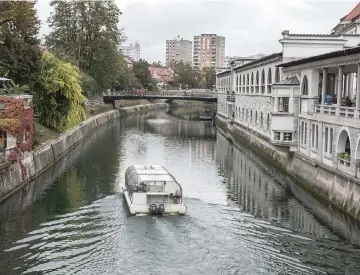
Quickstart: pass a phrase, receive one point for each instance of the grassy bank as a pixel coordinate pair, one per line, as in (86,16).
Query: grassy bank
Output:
(44,134)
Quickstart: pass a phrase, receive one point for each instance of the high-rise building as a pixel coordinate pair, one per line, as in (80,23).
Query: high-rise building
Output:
(209,51)
(132,51)
(178,49)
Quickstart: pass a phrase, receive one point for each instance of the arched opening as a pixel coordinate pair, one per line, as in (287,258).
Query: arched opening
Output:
(261,120)
(248,83)
(277,75)
(252,82)
(263,81)
(269,82)
(237,83)
(257,83)
(251,117)
(343,145)
(244,84)
(268,123)
(243,113)
(305,86)
(255,122)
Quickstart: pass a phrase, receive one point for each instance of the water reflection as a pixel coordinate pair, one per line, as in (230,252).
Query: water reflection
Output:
(195,112)
(270,195)
(244,216)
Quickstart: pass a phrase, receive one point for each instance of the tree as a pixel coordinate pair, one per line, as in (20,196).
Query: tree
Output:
(88,32)
(157,64)
(20,51)
(60,100)
(142,72)
(185,75)
(208,78)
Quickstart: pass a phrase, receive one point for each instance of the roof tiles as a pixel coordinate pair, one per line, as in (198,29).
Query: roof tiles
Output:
(353,14)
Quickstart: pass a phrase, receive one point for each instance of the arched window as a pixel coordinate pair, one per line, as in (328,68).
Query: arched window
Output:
(268,122)
(252,82)
(263,81)
(344,145)
(239,80)
(248,83)
(251,117)
(277,75)
(269,81)
(305,86)
(255,118)
(261,121)
(257,78)
(269,76)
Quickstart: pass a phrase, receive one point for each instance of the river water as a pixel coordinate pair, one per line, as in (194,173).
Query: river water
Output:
(244,216)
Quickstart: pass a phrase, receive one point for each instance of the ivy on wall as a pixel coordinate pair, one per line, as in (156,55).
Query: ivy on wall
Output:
(19,122)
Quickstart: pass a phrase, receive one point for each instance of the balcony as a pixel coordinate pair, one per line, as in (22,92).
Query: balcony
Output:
(332,110)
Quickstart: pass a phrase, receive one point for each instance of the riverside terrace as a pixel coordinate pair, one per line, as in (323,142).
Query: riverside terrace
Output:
(169,95)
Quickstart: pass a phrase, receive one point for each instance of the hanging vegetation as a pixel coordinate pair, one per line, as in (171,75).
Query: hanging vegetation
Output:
(19,122)
(60,101)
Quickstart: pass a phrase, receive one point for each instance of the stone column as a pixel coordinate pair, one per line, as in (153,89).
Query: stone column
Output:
(340,86)
(324,85)
(358,87)
(346,86)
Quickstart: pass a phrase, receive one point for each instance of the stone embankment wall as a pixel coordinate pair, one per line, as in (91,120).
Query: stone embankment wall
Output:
(38,161)
(327,184)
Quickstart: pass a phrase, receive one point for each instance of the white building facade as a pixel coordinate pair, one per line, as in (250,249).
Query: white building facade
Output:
(329,115)
(257,96)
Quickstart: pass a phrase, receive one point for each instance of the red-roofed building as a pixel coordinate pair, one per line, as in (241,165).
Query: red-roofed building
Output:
(163,76)
(349,24)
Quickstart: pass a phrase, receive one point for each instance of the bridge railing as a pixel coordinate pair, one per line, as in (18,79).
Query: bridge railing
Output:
(167,93)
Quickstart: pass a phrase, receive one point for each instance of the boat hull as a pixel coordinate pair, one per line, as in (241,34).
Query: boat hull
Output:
(172,209)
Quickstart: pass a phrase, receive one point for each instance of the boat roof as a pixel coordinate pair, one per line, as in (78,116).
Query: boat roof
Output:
(150,173)
(156,178)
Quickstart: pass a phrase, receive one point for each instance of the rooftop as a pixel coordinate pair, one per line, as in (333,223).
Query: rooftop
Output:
(355,13)
(321,57)
(292,81)
(260,60)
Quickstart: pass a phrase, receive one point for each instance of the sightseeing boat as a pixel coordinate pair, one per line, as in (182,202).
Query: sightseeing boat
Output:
(151,189)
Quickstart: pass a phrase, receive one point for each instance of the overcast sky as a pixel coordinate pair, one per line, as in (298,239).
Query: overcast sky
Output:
(250,26)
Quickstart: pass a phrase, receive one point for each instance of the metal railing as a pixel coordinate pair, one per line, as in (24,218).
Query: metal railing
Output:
(164,93)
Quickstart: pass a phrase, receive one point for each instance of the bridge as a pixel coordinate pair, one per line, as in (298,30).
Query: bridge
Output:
(194,95)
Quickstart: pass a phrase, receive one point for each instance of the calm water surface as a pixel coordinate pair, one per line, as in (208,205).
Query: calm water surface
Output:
(244,216)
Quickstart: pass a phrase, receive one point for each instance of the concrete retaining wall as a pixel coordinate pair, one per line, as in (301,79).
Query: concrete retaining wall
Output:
(325,183)
(38,161)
